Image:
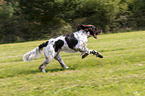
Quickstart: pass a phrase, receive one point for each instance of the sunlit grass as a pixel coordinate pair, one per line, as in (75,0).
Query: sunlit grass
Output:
(119,73)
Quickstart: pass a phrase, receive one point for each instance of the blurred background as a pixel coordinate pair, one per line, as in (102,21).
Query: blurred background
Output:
(25,20)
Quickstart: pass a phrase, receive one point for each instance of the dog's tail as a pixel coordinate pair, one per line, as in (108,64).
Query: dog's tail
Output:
(35,53)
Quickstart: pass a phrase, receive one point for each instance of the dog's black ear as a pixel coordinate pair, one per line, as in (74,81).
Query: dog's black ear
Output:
(80,26)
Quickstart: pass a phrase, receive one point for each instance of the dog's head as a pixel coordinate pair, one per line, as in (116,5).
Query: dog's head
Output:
(91,29)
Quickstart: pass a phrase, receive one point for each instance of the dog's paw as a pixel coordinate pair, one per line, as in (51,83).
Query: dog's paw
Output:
(42,70)
(84,55)
(66,67)
(99,55)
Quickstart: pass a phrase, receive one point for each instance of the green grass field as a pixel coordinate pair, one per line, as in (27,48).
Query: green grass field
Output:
(120,73)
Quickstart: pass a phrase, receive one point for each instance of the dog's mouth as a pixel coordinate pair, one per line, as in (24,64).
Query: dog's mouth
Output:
(96,33)
(95,36)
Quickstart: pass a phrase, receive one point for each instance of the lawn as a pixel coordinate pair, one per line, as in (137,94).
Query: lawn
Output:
(120,73)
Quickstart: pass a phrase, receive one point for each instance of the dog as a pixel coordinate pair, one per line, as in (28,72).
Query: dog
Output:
(75,42)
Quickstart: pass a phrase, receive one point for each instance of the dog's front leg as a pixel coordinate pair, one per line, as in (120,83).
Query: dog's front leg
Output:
(59,59)
(94,52)
(85,52)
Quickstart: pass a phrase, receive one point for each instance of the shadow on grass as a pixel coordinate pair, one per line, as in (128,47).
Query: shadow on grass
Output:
(27,72)
(47,71)
(58,69)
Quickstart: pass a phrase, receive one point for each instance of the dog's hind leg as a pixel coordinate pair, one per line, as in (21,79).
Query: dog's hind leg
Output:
(49,56)
(45,62)
(42,66)
(59,59)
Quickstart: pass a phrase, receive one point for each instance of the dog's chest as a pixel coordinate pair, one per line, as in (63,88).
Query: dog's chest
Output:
(82,39)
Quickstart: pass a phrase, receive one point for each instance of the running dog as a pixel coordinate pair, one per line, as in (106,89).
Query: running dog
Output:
(75,42)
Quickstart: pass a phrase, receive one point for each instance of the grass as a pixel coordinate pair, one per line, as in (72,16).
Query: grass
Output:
(120,73)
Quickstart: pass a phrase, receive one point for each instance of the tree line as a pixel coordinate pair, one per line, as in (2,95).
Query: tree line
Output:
(23,20)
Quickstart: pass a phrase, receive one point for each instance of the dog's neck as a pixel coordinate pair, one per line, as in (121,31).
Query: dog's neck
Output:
(82,35)
(87,33)
(82,31)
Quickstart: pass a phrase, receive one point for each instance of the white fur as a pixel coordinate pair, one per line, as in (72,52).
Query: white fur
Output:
(49,51)
(35,53)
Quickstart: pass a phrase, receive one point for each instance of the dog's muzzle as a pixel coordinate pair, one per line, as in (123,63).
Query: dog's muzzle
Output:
(95,36)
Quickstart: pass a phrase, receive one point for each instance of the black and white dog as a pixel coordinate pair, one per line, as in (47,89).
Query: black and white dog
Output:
(76,42)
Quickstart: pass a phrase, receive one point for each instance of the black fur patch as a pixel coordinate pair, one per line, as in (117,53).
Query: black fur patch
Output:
(71,40)
(58,44)
(43,45)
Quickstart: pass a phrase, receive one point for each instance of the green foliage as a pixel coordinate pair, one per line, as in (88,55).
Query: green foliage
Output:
(45,18)
(9,31)
(98,12)
(137,9)
(44,11)
(22,20)
(119,73)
